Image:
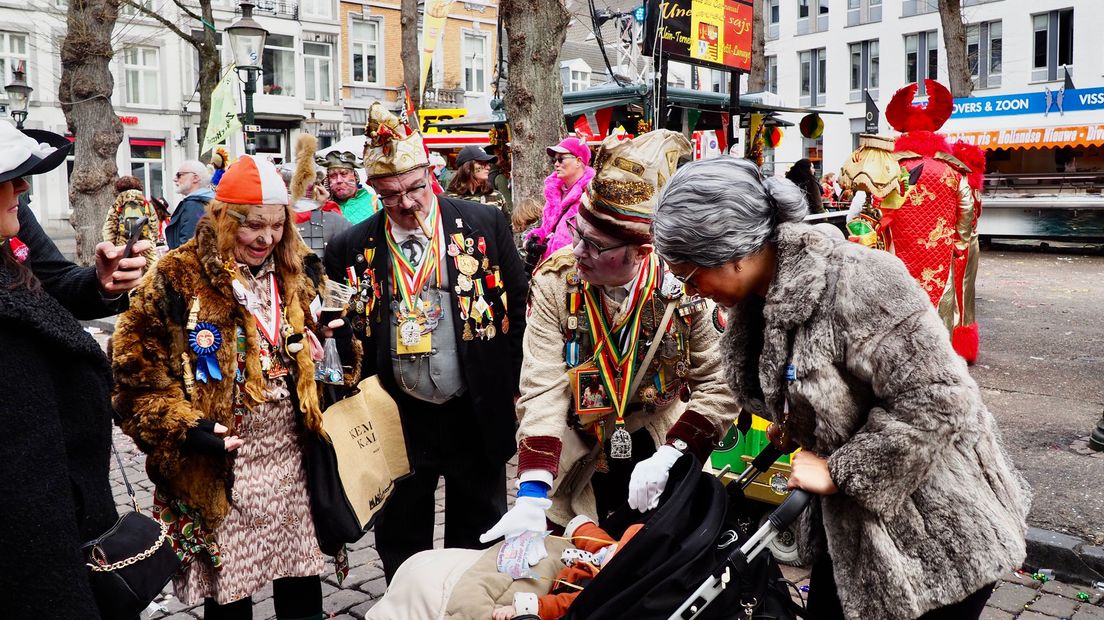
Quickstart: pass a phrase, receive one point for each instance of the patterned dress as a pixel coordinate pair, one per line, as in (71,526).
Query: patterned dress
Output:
(268,533)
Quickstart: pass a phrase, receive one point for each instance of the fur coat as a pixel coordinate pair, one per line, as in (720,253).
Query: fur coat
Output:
(559,207)
(930,508)
(149,342)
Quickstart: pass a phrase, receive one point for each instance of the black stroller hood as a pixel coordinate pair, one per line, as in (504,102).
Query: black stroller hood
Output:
(680,544)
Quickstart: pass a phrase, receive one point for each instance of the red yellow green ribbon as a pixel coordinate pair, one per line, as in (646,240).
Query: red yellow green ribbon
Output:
(410,280)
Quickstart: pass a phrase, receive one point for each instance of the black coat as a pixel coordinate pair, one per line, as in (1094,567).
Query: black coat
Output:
(76,287)
(183,222)
(55,429)
(491,368)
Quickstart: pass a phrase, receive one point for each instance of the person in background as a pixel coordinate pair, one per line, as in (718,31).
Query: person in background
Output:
(841,349)
(192,181)
(343,187)
(803,175)
(55,418)
(563,189)
(317,221)
(438,167)
(215,381)
(161,208)
(130,206)
(500,173)
(471,181)
(829,190)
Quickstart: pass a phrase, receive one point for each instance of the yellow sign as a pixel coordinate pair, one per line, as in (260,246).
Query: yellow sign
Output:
(427,117)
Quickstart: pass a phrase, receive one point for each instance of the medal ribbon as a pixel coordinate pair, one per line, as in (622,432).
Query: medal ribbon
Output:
(270,325)
(609,359)
(410,280)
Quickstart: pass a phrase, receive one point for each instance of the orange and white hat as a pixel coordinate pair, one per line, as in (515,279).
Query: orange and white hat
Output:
(252,180)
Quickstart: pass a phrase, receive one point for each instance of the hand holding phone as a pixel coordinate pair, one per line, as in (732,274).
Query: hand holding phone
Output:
(135,235)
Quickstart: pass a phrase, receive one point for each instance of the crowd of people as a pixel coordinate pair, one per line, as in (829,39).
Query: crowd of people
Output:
(585,333)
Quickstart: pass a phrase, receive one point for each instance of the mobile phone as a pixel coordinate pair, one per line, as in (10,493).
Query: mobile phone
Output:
(135,234)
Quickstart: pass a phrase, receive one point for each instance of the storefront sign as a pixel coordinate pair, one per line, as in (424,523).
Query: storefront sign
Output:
(1036,137)
(128,120)
(427,117)
(712,32)
(1046,103)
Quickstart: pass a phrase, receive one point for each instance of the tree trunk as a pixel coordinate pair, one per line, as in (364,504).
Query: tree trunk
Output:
(85,93)
(757,79)
(954,39)
(210,70)
(535,31)
(411,55)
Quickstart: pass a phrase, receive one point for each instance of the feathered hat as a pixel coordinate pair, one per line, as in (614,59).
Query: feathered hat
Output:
(906,117)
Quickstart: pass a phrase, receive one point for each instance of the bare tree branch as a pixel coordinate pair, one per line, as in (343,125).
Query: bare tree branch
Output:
(187,36)
(188,11)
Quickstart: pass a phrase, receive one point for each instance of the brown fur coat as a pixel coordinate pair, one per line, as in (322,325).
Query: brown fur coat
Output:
(150,342)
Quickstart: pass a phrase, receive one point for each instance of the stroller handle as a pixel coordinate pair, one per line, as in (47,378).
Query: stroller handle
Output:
(790,509)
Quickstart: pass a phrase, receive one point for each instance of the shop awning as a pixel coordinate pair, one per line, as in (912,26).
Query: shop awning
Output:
(1033,137)
(475,122)
(585,107)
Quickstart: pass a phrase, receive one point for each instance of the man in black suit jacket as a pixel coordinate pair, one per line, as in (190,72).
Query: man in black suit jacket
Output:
(444,339)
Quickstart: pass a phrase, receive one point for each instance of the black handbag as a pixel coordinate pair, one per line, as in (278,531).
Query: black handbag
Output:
(130,563)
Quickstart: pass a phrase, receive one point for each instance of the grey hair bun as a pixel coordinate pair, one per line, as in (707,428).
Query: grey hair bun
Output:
(789,200)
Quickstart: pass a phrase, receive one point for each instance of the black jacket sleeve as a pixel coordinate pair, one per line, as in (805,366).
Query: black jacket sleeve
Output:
(517,290)
(76,287)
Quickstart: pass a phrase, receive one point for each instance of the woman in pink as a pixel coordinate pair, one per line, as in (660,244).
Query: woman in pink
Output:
(562,191)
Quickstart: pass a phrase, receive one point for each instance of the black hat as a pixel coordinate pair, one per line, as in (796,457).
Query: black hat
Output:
(22,157)
(471,153)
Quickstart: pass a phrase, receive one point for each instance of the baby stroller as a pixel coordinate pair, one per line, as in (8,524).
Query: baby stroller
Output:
(691,559)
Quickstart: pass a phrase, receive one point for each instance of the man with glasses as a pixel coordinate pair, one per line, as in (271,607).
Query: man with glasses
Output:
(194,182)
(440,309)
(607,313)
(343,188)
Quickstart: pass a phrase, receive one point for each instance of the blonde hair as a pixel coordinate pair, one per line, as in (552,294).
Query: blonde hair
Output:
(526,213)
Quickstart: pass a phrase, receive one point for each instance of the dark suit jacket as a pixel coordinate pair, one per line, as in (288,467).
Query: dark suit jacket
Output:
(492,367)
(183,222)
(76,287)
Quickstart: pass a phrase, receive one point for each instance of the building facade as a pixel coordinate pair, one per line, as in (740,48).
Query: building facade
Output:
(824,53)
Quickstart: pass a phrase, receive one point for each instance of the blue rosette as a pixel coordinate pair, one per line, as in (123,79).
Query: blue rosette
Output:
(206,339)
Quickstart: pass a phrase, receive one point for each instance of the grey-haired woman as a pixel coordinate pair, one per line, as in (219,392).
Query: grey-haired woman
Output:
(920,510)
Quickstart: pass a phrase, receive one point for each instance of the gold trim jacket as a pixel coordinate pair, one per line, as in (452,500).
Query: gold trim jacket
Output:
(151,342)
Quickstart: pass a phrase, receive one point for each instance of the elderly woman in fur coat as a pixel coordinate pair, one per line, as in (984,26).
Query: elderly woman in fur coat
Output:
(920,509)
(215,381)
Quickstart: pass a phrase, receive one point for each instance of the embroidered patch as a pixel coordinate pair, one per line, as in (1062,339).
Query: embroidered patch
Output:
(720,320)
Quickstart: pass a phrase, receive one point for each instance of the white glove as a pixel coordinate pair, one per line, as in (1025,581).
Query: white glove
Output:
(649,478)
(527,515)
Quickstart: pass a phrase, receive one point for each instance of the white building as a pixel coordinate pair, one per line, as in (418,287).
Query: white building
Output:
(823,53)
(155,85)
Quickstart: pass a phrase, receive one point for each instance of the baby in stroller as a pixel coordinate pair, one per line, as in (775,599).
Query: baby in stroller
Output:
(594,548)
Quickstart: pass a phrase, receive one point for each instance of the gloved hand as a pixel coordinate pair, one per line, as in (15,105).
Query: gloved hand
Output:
(206,436)
(527,515)
(649,478)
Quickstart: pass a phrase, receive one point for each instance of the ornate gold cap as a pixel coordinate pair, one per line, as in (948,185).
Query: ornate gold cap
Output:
(391,147)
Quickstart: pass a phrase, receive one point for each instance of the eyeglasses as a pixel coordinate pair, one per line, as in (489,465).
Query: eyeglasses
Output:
(559,159)
(688,279)
(589,245)
(182,173)
(397,200)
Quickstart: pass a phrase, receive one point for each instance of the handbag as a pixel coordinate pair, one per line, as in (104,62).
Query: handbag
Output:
(130,563)
(352,468)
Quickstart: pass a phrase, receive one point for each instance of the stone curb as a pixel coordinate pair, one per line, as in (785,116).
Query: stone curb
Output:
(1071,558)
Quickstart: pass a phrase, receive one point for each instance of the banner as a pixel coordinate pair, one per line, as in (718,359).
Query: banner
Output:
(433,27)
(1032,137)
(1046,103)
(712,32)
(223,121)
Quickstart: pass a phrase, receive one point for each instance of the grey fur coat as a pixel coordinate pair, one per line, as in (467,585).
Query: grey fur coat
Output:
(930,508)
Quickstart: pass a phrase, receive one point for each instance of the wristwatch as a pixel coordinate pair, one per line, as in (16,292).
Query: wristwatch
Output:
(680,445)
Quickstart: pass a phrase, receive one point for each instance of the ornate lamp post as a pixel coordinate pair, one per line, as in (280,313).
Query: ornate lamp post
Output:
(19,94)
(313,125)
(247,40)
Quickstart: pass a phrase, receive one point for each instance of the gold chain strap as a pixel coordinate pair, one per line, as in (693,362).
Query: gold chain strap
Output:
(107,568)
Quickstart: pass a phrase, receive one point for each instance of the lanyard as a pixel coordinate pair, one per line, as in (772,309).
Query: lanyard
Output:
(408,278)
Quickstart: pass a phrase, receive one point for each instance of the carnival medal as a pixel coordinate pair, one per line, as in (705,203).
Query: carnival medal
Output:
(205,339)
(620,442)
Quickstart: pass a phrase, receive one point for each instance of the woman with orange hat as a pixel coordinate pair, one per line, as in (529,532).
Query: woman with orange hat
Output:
(215,373)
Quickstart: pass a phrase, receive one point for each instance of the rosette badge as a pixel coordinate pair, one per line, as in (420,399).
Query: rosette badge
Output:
(205,339)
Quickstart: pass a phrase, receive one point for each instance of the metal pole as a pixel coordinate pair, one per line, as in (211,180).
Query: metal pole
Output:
(250,88)
(733,108)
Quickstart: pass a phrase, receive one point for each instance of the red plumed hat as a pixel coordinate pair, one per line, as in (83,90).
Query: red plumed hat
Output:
(906,117)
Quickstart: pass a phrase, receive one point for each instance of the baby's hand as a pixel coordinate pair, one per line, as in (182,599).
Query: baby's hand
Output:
(503,613)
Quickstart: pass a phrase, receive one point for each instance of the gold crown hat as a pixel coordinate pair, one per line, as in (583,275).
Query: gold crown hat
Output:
(873,167)
(621,199)
(391,147)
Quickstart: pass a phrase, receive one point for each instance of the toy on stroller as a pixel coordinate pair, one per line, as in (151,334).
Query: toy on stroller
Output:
(691,559)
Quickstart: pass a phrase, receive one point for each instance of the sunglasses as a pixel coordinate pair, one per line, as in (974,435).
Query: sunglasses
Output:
(559,159)
(589,245)
(182,173)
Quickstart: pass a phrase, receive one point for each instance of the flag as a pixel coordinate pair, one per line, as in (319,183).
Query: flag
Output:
(433,27)
(871,122)
(223,121)
(1067,83)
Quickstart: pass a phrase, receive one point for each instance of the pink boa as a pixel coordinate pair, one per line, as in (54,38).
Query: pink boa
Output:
(555,203)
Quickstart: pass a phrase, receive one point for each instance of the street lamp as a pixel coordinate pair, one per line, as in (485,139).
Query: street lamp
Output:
(19,94)
(313,125)
(247,40)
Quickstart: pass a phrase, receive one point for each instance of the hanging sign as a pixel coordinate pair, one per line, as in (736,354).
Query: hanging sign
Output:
(709,32)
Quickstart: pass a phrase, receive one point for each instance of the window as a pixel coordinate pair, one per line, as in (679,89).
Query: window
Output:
(772,15)
(864,69)
(813,76)
(141,68)
(365,52)
(1053,44)
(147,162)
(316,8)
(812,16)
(579,80)
(983,53)
(128,10)
(474,62)
(317,69)
(863,12)
(921,58)
(771,73)
(278,65)
(917,7)
(13,50)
